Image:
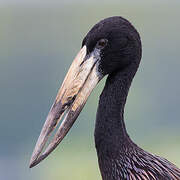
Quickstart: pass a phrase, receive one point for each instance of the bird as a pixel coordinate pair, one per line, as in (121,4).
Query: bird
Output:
(111,48)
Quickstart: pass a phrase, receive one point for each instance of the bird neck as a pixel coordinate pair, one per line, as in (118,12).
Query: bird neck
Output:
(118,156)
(111,138)
(110,130)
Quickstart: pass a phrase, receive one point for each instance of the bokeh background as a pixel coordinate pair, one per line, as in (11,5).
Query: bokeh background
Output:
(38,41)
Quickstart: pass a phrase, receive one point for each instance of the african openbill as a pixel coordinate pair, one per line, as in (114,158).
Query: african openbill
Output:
(112,47)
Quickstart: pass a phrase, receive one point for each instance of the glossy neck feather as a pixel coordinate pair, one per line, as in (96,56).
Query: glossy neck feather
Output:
(110,128)
(111,138)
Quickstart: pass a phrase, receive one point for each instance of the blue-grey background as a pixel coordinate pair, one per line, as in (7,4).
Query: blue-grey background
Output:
(38,41)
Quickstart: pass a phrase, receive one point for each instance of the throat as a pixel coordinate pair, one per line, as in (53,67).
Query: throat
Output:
(110,130)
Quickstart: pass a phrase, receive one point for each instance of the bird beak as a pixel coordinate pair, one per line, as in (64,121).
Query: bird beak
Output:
(78,84)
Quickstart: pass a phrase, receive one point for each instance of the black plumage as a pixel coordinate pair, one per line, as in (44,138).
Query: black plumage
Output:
(119,157)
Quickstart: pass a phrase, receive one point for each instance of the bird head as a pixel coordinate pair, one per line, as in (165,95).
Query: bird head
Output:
(111,45)
(117,42)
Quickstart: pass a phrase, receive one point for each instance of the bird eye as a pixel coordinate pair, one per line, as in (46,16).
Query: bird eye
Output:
(102,43)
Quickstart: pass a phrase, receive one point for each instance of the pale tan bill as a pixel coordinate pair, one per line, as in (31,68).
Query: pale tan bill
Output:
(77,86)
(59,105)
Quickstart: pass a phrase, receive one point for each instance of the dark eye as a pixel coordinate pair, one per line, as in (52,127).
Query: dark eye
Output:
(102,43)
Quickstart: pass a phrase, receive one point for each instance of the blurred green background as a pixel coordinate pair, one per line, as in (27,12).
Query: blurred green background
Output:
(38,41)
